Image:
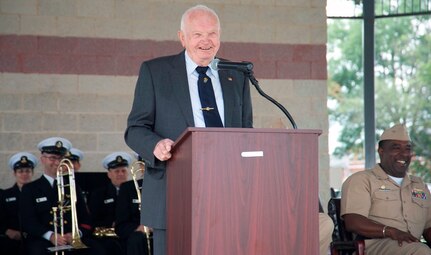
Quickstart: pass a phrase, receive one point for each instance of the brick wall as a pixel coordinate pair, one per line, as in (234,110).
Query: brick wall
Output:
(69,68)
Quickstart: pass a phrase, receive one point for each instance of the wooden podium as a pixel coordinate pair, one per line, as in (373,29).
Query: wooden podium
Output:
(235,191)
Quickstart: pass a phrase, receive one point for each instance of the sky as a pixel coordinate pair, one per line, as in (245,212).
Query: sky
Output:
(341,8)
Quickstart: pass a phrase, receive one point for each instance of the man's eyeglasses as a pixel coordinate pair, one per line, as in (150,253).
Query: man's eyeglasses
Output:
(53,158)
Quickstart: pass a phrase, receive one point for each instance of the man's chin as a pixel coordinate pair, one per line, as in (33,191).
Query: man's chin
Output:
(204,61)
(401,171)
(206,55)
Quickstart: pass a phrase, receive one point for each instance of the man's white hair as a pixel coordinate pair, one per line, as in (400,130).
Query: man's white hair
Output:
(195,8)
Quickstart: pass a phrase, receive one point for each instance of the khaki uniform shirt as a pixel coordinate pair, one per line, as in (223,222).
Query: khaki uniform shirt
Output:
(373,194)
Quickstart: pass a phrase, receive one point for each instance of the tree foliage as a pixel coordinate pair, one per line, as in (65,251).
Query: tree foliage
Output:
(402,83)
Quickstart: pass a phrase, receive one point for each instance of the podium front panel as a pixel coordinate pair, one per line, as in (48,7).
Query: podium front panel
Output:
(244,191)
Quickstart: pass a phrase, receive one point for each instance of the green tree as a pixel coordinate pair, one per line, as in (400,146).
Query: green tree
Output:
(345,84)
(402,83)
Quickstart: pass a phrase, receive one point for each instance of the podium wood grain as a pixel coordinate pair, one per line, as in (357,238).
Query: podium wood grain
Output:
(220,203)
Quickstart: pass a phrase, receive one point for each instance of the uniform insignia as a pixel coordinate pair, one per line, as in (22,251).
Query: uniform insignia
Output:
(135,201)
(419,193)
(205,80)
(108,201)
(41,199)
(383,188)
(10,199)
(119,159)
(58,144)
(24,160)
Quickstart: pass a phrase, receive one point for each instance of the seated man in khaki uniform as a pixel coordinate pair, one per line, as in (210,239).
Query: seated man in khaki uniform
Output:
(388,208)
(326,227)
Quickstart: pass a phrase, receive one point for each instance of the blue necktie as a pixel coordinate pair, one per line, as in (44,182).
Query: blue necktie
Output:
(207,97)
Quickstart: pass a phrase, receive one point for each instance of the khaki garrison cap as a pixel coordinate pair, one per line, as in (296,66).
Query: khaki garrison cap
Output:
(397,132)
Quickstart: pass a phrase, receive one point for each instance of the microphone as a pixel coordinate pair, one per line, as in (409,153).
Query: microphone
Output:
(247,68)
(244,66)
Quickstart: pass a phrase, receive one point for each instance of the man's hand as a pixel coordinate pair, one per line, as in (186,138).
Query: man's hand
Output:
(68,238)
(140,228)
(400,236)
(61,240)
(13,234)
(162,151)
(362,225)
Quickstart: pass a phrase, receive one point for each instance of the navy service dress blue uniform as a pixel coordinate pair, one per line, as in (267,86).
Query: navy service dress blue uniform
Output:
(11,235)
(128,217)
(102,201)
(40,196)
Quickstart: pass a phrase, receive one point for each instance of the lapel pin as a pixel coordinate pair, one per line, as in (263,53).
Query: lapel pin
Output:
(207,109)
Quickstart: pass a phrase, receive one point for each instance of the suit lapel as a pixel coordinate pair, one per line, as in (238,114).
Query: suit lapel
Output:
(178,76)
(227,83)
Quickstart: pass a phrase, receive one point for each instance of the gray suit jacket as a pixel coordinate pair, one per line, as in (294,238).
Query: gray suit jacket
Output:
(162,109)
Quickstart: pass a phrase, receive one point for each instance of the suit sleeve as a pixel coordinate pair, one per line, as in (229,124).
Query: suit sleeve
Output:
(139,134)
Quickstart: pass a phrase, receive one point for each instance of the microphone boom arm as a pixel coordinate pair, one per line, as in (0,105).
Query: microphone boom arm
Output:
(255,83)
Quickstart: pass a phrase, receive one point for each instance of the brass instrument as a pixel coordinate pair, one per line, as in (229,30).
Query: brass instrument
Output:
(139,166)
(66,202)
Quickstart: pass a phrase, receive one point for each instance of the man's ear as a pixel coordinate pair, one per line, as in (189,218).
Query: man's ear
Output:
(181,36)
(380,151)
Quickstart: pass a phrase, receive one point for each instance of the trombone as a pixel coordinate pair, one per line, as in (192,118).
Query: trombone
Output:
(139,166)
(66,202)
